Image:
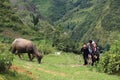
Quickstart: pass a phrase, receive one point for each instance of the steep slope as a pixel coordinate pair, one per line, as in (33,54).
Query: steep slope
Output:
(21,19)
(107,26)
(74,20)
(54,10)
(93,19)
(11,25)
(81,20)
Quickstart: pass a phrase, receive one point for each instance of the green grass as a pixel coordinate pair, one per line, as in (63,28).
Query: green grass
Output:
(13,75)
(60,67)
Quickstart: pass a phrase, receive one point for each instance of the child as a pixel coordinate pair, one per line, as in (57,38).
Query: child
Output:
(85,53)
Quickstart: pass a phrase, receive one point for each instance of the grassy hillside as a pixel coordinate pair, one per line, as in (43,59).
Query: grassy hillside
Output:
(11,24)
(9,21)
(14,76)
(59,67)
(22,20)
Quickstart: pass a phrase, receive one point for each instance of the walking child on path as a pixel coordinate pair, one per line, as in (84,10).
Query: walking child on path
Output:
(85,53)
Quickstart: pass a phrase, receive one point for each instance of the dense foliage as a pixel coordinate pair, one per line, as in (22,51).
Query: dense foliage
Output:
(10,23)
(96,19)
(112,18)
(81,20)
(5,58)
(110,61)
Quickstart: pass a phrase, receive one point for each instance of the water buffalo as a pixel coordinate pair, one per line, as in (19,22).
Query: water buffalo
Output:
(21,45)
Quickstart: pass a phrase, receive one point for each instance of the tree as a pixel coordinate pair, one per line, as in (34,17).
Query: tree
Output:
(35,20)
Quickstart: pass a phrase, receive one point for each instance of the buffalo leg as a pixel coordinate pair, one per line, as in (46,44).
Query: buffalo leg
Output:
(19,55)
(29,55)
(33,56)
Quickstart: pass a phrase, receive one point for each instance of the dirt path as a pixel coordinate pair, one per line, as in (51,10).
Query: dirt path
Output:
(52,72)
(76,65)
(30,74)
(22,70)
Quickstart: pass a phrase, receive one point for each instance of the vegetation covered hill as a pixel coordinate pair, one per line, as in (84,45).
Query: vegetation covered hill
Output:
(66,22)
(93,19)
(22,20)
(82,20)
(9,22)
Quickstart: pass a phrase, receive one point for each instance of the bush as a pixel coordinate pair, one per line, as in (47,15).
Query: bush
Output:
(110,61)
(46,49)
(5,59)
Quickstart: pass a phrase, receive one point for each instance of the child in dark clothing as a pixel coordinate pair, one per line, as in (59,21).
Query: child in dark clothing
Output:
(85,53)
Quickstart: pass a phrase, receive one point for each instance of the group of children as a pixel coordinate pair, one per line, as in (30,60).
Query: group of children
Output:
(90,52)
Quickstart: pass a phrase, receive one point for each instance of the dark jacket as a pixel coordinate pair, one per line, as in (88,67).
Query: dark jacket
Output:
(85,51)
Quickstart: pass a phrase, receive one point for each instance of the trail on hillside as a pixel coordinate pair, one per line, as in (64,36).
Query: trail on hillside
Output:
(32,75)
(52,72)
(23,71)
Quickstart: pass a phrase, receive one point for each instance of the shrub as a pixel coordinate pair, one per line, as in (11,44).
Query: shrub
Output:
(5,59)
(46,49)
(110,61)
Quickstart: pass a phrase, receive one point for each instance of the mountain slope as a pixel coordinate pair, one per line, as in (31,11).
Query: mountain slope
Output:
(81,20)
(75,21)
(93,19)
(10,23)
(21,19)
